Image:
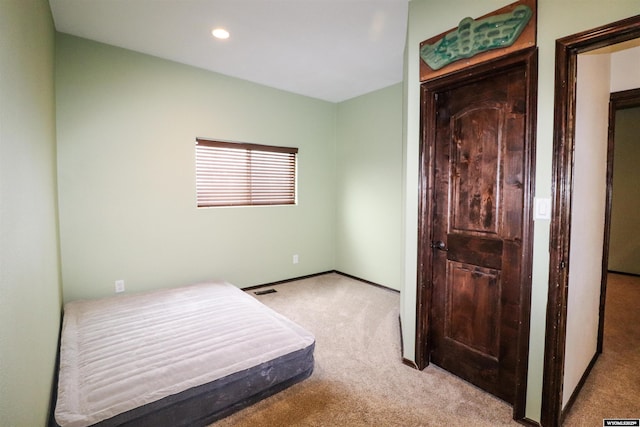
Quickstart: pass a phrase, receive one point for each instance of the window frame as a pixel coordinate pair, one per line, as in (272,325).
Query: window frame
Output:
(253,168)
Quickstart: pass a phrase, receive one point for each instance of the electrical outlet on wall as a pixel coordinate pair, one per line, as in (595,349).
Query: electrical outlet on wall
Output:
(119,286)
(296,259)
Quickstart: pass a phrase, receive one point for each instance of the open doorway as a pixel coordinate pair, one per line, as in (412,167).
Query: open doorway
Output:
(571,249)
(593,389)
(612,385)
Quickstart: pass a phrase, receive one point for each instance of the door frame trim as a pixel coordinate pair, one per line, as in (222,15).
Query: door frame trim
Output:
(567,50)
(529,60)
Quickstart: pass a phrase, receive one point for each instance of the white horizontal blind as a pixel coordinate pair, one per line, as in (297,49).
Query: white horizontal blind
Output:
(239,174)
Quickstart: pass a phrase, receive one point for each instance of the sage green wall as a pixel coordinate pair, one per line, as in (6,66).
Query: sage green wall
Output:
(369,180)
(556,19)
(29,264)
(126,129)
(624,249)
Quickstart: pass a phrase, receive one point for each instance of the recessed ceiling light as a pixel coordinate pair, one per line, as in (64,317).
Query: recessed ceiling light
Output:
(220,33)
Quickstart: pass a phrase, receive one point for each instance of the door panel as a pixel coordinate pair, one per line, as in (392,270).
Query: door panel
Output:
(478,199)
(473,311)
(475,161)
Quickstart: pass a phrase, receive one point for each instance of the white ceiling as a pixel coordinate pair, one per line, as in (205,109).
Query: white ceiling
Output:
(328,49)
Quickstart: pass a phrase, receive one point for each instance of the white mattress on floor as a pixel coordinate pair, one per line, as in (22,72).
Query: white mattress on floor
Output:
(123,352)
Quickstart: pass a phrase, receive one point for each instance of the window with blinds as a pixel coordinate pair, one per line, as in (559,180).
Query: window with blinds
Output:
(240,174)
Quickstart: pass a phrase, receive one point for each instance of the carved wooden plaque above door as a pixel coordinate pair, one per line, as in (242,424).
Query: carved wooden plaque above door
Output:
(506,30)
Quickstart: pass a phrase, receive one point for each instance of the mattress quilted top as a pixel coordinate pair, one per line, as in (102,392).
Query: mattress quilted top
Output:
(123,352)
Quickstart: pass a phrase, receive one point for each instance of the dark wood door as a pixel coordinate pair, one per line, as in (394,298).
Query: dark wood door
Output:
(477,230)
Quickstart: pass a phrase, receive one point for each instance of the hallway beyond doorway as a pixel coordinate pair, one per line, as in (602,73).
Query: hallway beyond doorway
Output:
(612,389)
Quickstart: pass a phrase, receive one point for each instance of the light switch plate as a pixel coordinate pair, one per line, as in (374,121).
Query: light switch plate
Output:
(542,208)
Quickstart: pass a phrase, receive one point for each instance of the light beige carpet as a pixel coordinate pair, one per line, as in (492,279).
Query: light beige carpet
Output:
(359,378)
(612,390)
